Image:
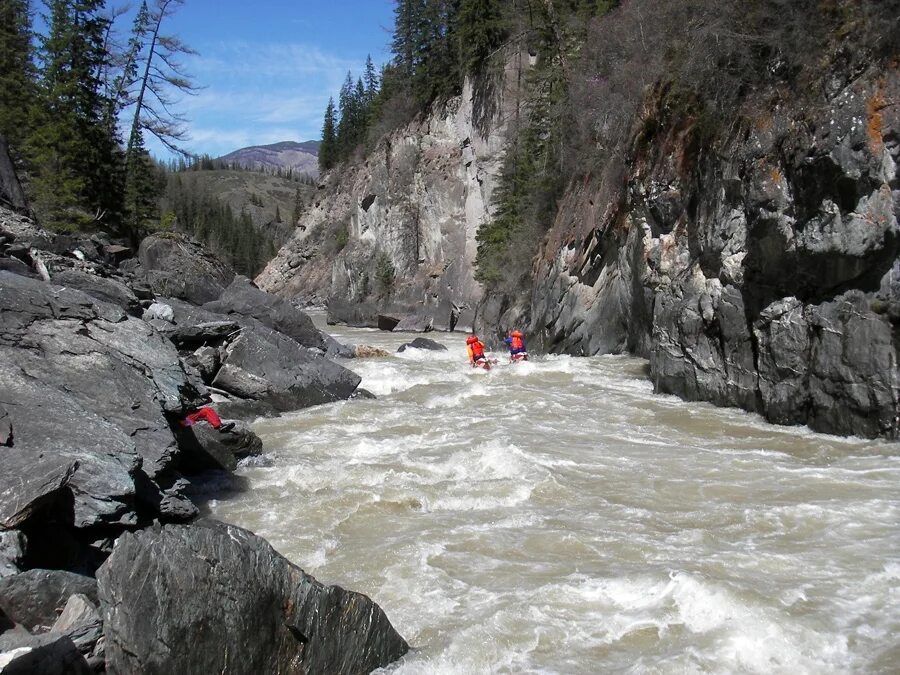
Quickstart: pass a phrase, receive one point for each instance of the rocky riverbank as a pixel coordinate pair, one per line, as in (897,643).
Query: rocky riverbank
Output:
(103,563)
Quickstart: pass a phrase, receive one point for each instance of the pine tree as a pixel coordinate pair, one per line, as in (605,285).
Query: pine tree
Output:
(142,189)
(328,147)
(74,159)
(122,74)
(345,127)
(161,73)
(17,77)
(370,78)
(480,30)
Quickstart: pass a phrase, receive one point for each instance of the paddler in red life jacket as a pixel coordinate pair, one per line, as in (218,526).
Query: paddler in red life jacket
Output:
(475,349)
(516,342)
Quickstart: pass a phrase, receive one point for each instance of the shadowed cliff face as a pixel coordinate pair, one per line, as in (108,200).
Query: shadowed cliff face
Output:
(760,271)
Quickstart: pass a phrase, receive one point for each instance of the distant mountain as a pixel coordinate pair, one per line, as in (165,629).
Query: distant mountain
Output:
(301,157)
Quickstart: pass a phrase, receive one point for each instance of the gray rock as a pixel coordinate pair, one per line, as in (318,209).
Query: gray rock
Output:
(107,290)
(30,482)
(47,654)
(159,311)
(103,389)
(387,323)
(335,349)
(269,367)
(208,448)
(244,299)
(80,621)
(415,323)
(423,343)
(252,611)
(206,361)
(16,266)
(35,598)
(210,332)
(176,266)
(12,551)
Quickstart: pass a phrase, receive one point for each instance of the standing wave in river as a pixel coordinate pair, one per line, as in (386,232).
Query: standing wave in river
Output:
(556,516)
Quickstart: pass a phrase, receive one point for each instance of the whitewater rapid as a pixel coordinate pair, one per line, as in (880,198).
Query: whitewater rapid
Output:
(556,516)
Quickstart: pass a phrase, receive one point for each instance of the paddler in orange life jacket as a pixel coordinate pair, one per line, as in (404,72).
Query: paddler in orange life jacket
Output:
(516,342)
(475,349)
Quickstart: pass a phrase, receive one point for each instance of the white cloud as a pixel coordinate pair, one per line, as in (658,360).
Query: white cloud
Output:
(258,94)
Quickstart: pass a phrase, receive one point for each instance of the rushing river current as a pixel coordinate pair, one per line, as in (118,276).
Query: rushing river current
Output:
(556,516)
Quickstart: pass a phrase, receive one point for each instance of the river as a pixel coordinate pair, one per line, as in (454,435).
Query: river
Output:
(556,516)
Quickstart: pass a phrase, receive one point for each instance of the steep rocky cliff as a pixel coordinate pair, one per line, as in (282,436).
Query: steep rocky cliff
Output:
(396,231)
(762,272)
(749,251)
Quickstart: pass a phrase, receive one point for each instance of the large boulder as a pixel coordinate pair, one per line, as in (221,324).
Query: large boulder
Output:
(244,299)
(423,343)
(36,597)
(215,598)
(209,448)
(82,383)
(47,654)
(266,366)
(107,290)
(415,323)
(173,265)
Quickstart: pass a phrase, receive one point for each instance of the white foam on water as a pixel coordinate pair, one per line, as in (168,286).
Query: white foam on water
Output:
(752,637)
(466,503)
(473,390)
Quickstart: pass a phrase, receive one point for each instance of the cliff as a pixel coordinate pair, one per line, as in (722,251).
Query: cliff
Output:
(758,271)
(395,232)
(732,214)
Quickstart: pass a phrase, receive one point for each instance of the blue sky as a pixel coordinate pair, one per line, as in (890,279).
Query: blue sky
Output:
(268,67)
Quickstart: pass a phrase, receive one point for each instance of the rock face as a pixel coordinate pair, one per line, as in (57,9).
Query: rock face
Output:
(244,299)
(409,217)
(33,598)
(251,610)
(264,370)
(763,275)
(175,266)
(85,384)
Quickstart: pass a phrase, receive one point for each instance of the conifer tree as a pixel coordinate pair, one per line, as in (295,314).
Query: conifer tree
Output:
(17,77)
(347,103)
(480,29)
(162,73)
(75,166)
(328,147)
(298,207)
(370,78)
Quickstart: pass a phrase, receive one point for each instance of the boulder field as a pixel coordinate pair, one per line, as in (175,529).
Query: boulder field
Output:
(104,565)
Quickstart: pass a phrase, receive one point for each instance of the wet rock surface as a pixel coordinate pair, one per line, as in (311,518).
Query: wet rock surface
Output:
(253,611)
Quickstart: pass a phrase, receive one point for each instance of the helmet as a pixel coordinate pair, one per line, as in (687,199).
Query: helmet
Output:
(471,340)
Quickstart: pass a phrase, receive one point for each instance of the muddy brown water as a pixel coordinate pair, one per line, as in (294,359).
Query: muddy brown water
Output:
(558,517)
